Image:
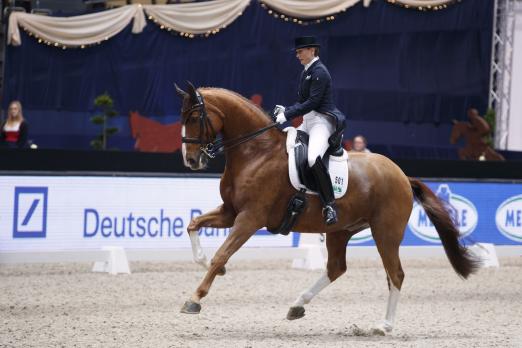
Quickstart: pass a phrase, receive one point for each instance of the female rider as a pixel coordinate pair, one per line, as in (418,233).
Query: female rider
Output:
(321,119)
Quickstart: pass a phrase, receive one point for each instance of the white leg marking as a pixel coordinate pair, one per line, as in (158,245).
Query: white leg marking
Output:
(197,251)
(310,293)
(184,147)
(393,299)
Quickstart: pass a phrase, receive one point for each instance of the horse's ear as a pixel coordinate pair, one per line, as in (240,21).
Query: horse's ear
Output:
(192,93)
(180,92)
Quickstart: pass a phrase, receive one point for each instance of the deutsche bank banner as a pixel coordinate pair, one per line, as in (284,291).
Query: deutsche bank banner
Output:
(69,212)
(485,212)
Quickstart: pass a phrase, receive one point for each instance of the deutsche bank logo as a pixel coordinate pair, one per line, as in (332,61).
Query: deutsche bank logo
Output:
(30,212)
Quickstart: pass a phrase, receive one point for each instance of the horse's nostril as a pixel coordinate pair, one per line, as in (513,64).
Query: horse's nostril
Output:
(191,161)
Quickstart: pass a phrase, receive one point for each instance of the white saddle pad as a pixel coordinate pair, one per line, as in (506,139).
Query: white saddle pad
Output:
(338,167)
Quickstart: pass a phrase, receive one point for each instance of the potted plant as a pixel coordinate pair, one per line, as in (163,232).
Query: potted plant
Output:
(105,104)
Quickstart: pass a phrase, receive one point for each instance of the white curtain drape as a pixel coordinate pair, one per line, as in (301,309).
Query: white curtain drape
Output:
(189,18)
(197,18)
(310,8)
(422,3)
(78,30)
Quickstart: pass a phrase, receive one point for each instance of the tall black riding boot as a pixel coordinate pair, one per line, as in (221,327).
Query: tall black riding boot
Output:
(325,190)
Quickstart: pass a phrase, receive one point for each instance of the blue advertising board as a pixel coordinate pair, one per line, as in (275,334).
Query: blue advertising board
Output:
(485,212)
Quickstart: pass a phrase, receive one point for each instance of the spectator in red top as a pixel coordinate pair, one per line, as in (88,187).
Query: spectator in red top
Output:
(13,131)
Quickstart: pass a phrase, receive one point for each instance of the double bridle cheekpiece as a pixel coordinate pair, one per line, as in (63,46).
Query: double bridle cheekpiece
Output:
(207,132)
(205,128)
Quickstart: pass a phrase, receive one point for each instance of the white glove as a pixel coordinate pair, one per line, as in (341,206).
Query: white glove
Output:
(280,118)
(279,109)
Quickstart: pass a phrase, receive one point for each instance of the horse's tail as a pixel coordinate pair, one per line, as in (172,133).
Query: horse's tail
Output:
(463,262)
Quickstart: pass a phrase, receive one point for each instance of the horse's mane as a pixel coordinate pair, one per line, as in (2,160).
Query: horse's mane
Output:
(255,108)
(256,111)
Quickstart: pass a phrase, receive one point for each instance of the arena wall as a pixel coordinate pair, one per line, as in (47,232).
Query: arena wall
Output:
(63,213)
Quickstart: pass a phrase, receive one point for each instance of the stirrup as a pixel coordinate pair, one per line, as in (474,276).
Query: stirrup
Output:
(330,215)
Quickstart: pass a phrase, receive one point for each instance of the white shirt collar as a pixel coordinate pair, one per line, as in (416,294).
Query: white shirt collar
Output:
(311,62)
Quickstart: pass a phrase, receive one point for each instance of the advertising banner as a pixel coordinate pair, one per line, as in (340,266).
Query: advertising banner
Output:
(48,213)
(51,213)
(485,212)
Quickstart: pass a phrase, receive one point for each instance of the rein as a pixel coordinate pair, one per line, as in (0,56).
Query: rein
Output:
(210,149)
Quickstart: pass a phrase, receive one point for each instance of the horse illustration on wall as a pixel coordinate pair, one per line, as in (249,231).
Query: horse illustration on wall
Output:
(474,132)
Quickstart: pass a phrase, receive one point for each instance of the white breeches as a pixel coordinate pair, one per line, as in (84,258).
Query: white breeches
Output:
(319,128)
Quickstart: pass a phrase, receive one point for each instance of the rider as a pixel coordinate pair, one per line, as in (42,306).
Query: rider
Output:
(323,122)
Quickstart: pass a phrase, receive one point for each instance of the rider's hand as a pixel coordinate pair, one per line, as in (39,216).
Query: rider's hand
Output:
(279,109)
(280,118)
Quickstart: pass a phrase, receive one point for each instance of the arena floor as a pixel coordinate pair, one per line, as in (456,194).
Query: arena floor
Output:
(65,305)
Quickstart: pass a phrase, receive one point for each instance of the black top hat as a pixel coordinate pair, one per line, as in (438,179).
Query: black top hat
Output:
(306,41)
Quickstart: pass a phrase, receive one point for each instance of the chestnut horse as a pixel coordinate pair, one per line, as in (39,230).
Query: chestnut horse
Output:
(474,133)
(255,189)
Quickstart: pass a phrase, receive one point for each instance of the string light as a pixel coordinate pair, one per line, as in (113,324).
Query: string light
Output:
(215,31)
(188,35)
(296,20)
(106,38)
(58,44)
(400,3)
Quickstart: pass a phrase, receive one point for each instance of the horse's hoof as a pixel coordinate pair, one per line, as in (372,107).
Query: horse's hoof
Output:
(222,271)
(295,313)
(377,331)
(191,307)
(382,329)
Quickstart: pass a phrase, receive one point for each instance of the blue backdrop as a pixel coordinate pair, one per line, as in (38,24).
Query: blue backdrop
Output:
(400,75)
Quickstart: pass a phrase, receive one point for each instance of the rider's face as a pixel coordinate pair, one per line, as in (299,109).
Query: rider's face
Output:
(305,55)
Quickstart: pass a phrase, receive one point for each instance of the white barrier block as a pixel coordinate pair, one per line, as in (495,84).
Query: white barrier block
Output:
(313,249)
(487,253)
(115,263)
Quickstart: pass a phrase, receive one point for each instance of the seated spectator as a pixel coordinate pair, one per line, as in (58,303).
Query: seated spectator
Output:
(359,144)
(13,131)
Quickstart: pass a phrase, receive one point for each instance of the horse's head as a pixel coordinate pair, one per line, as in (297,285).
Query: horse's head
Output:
(200,126)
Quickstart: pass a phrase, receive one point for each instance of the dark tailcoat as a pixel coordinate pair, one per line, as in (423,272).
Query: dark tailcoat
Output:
(315,93)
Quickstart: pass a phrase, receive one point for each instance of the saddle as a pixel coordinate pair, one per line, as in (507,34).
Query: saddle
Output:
(335,159)
(301,160)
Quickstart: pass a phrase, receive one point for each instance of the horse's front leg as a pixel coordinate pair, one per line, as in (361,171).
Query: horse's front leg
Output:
(245,226)
(221,217)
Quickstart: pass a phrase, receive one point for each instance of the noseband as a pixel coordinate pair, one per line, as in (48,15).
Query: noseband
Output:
(206,131)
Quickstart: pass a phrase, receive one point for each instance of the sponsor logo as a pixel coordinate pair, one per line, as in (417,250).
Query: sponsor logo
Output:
(509,218)
(132,225)
(30,212)
(462,210)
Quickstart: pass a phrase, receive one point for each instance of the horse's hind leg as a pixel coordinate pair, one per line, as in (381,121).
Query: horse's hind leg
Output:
(388,238)
(336,245)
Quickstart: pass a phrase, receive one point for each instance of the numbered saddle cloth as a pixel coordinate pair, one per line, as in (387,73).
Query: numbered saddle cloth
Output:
(299,171)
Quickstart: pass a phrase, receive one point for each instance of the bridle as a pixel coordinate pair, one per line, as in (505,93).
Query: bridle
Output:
(209,145)
(205,127)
